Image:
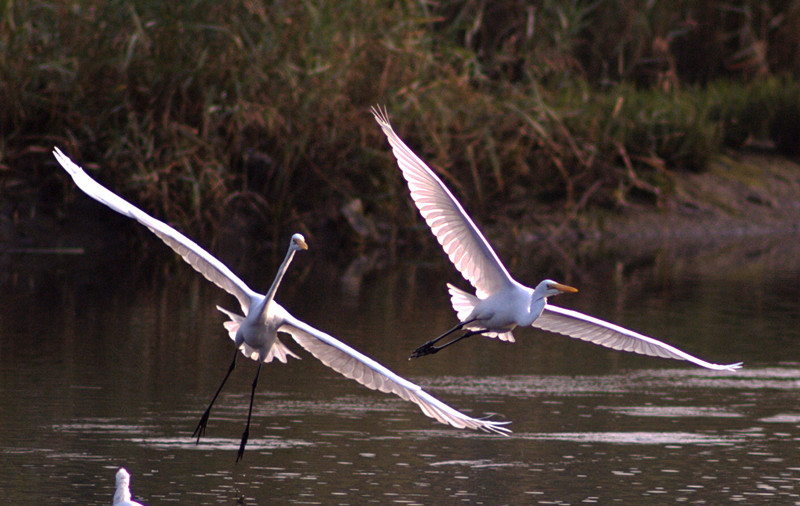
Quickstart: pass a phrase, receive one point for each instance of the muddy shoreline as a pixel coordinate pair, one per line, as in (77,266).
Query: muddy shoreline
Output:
(743,194)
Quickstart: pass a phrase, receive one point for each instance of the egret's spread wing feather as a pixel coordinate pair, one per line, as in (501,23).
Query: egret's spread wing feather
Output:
(201,260)
(463,303)
(580,326)
(354,365)
(462,241)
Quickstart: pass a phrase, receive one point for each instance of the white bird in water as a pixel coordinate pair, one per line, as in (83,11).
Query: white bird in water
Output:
(500,303)
(255,334)
(122,496)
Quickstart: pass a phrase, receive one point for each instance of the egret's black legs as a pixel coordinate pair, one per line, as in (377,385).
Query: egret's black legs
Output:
(429,348)
(435,340)
(246,432)
(201,427)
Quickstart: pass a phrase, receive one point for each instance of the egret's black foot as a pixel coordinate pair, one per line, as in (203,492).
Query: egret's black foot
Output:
(425,349)
(200,430)
(245,435)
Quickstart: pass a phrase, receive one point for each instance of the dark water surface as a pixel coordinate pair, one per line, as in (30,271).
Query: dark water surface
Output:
(109,362)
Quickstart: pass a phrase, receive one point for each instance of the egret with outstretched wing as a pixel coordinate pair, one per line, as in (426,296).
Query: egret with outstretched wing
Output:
(255,334)
(501,303)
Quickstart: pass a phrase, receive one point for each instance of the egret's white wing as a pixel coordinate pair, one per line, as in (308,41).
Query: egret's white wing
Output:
(202,261)
(357,366)
(462,241)
(580,326)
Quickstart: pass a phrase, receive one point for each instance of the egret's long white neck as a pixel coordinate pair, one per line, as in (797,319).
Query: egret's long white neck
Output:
(276,283)
(537,304)
(122,494)
(539,294)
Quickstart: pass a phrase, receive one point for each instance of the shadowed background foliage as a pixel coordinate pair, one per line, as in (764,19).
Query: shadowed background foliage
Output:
(213,114)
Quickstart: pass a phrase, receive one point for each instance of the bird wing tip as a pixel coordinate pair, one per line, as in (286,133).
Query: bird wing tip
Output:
(496,428)
(381,115)
(726,367)
(59,154)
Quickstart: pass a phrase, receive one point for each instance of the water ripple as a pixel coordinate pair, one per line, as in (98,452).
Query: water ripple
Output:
(478,464)
(642,438)
(189,443)
(672,411)
(774,378)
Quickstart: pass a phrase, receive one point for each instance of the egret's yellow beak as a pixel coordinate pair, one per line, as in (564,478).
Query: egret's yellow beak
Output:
(564,288)
(301,243)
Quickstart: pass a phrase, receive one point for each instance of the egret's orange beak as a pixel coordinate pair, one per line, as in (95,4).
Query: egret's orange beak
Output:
(564,288)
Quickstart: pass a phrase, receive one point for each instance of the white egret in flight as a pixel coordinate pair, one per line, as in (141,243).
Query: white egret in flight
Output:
(122,496)
(255,334)
(500,303)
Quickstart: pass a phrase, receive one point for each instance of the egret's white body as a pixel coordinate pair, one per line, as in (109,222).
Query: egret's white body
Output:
(501,303)
(255,334)
(122,496)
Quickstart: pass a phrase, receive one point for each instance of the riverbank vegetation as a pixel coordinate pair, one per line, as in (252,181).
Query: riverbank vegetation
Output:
(201,110)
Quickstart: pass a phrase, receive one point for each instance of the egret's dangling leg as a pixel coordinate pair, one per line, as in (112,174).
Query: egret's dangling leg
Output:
(201,427)
(246,432)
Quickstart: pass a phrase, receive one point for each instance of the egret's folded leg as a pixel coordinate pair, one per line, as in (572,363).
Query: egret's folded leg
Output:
(429,348)
(425,348)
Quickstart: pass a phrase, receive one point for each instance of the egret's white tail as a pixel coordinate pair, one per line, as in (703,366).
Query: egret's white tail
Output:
(278,349)
(464,303)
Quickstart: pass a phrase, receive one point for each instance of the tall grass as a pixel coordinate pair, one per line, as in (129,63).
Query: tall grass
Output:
(203,110)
